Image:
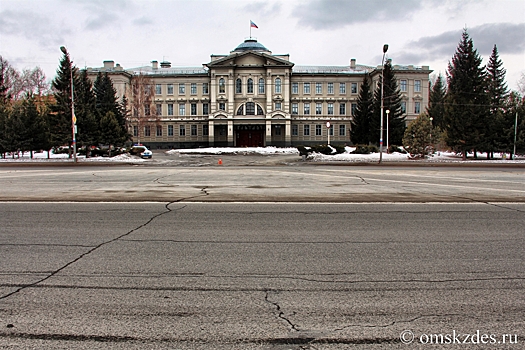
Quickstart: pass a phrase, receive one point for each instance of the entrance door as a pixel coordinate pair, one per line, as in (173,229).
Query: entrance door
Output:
(250,136)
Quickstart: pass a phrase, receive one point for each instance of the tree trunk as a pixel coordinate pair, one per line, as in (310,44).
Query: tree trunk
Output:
(464,155)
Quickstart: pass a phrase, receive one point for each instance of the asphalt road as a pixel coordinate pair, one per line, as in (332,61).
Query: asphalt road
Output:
(259,275)
(261,257)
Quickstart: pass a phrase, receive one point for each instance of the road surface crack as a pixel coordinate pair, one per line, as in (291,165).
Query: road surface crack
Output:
(281,314)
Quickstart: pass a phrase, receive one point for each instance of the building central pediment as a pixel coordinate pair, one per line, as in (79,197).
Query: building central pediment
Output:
(249,59)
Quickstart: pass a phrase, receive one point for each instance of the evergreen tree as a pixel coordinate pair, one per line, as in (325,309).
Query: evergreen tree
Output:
(110,130)
(85,111)
(497,94)
(436,106)
(466,109)
(360,130)
(107,101)
(417,139)
(4,106)
(60,116)
(392,102)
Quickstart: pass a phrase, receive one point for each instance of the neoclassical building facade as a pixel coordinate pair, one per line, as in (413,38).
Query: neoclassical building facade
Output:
(252,97)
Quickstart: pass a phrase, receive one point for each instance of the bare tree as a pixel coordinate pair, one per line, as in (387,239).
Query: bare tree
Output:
(141,103)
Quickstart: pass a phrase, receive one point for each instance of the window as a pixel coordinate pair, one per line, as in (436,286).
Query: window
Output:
(295,108)
(318,130)
(277,130)
(158,89)
(342,88)
(330,88)
(403,107)
(417,107)
(193,107)
(259,110)
(194,130)
(354,88)
(205,130)
(261,86)
(193,89)
(331,130)
(354,108)
(135,130)
(295,130)
(306,88)
(182,89)
(159,109)
(182,130)
(238,86)
(318,88)
(159,130)
(147,110)
(306,130)
(205,90)
(170,130)
(403,86)
(222,106)
(147,130)
(306,108)
(318,108)
(417,85)
(295,88)
(277,85)
(170,108)
(330,108)
(250,108)
(240,110)
(342,130)
(342,109)
(250,86)
(182,109)
(278,106)
(222,87)
(205,109)
(170,89)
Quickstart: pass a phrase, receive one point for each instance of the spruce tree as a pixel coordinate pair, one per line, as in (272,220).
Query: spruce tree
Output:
(107,101)
(60,118)
(466,105)
(85,111)
(417,139)
(360,130)
(497,93)
(436,106)
(392,102)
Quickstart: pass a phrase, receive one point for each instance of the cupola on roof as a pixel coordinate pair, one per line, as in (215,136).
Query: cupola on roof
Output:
(251,44)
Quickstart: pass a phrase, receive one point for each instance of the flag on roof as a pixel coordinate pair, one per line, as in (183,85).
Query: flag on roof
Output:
(253,25)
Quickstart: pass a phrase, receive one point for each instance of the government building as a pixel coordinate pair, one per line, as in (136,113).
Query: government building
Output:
(251,97)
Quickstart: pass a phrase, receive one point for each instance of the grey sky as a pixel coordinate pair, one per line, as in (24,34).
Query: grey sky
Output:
(313,32)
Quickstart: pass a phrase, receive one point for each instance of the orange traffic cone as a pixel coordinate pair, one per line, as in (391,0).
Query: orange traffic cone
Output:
(220,161)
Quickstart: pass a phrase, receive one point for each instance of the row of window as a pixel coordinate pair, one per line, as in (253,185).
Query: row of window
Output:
(205,130)
(277,87)
(318,130)
(251,108)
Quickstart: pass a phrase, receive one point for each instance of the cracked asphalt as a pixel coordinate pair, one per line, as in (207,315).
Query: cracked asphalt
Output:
(172,266)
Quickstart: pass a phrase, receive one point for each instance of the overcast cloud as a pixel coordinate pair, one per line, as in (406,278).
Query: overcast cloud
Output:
(313,32)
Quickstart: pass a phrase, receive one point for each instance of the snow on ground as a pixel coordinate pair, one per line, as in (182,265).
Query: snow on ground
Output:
(347,156)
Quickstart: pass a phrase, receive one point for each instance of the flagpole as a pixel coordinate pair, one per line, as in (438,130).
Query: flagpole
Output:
(250,29)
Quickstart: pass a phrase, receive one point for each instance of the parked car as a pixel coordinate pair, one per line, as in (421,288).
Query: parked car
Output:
(141,150)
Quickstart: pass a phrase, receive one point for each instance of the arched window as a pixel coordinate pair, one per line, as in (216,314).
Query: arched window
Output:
(250,86)
(250,108)
(277,85)
(238,86)
(259,110)
(222,88)
(261,86)
(240,110)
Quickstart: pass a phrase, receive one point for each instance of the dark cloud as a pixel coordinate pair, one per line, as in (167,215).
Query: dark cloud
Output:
(508,37)
(327,14)
(32,26)
(101,21)
(143,21)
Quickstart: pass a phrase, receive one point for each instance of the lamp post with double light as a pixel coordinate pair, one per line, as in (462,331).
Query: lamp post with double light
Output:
(385,49)
(73,117)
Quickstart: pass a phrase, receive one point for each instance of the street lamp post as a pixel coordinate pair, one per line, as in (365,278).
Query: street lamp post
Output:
(73,117)
(431,145)
(515,134)
(385,49)
(387,130)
